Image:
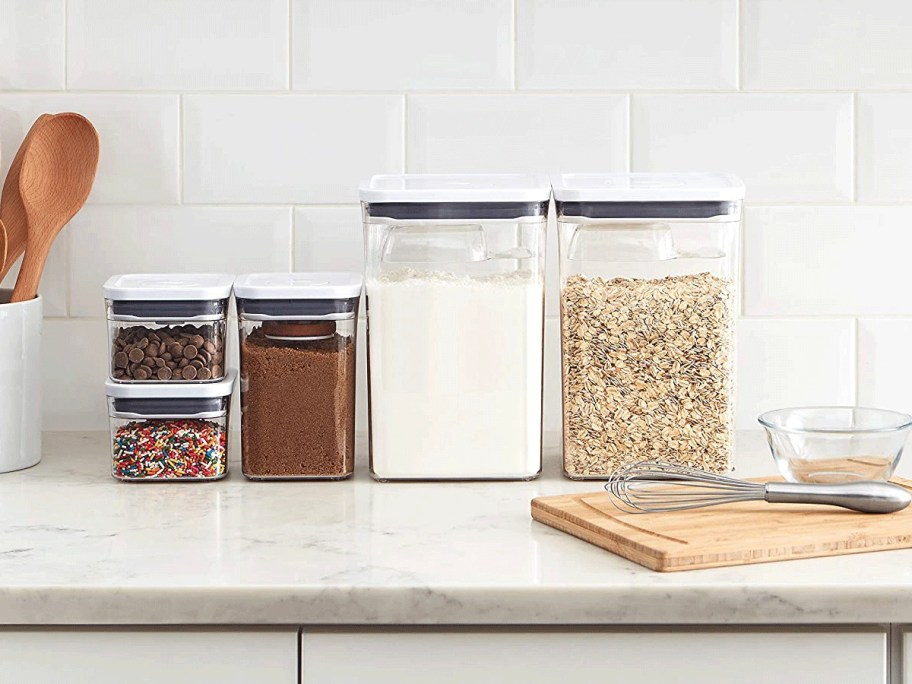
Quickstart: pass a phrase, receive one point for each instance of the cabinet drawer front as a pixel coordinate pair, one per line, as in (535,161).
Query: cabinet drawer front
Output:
(140,656)
(572,657)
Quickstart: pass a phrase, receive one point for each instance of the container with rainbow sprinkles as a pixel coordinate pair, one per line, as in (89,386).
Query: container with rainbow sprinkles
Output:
(169,431)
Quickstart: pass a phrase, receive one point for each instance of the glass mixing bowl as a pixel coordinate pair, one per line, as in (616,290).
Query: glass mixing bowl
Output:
(836,443)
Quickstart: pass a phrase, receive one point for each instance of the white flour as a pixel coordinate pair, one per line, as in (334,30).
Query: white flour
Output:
(455,376)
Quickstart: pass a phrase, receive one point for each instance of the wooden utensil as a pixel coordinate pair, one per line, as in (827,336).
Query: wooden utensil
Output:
(3,244)
(735,534)
(12,211)
(58,170)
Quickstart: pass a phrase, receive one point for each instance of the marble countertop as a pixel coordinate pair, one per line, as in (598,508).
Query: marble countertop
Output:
(77,547)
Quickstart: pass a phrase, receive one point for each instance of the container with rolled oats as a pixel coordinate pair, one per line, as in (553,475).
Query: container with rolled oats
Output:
(648,266)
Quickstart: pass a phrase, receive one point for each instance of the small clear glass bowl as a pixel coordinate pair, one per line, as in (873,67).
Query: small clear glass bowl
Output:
(836,443)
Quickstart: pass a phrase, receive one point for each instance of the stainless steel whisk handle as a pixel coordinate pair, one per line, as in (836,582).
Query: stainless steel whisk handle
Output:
(865,497)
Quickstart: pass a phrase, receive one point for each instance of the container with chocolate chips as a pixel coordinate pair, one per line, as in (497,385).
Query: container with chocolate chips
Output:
(167,327)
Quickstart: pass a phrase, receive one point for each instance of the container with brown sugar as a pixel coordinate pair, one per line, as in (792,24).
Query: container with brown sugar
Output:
(297,351)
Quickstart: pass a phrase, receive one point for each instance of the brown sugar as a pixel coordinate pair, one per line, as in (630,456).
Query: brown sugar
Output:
(298,404)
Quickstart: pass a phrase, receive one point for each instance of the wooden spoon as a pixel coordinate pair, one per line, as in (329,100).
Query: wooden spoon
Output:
(4,245)
(58,170)
(12,211)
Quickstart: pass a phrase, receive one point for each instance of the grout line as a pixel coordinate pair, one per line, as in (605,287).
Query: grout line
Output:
(629,132)
(515,45)
(480,91)
(856,336)
(66,44)
(405,131)
(180,150)
(290,51)
(739,39)
(854,138)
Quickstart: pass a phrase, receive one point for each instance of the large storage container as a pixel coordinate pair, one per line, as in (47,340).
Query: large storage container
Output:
(648,270)
(455,303)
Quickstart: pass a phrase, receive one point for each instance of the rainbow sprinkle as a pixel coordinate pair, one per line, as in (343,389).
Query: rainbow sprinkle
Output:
(170,449)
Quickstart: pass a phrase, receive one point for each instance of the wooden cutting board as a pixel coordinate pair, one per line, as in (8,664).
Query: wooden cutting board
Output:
(734,534)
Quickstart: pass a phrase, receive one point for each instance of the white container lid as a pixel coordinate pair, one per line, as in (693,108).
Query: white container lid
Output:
(647,187)
(171,390)
(168,286)
(315,285)
(457,187)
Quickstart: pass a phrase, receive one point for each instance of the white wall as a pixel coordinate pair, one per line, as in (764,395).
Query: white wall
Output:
(234,133)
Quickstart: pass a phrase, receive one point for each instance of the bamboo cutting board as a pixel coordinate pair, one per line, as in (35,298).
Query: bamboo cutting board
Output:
(734,534)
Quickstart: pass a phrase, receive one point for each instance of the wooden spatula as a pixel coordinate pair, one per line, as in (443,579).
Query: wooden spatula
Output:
(12,211)
(3,244)
(58,169)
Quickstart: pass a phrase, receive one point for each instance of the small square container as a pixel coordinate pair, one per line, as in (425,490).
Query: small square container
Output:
(297,339)
(167,327)
(169,431)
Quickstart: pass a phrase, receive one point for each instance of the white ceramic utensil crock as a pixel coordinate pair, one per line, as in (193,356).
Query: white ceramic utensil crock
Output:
(20,382)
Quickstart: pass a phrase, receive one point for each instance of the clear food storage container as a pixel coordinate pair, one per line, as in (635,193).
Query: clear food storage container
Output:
(167,327)
(297,334)
(455,285)
(170,431)
(648,271)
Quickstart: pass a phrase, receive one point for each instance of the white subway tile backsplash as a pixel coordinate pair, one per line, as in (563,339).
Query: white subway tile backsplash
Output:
(32,44)
(785,363)
(294,149)
(401,44)
(884,371)
(786,148)
(74,367)
(811,261)
(517,133)
(627,44)
(884,147)
(139,137)
(328,239)
(109,240)
(177,45)
(826,44)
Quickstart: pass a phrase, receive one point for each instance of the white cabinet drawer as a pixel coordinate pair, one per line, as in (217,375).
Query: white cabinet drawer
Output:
(148,656)
(583,657)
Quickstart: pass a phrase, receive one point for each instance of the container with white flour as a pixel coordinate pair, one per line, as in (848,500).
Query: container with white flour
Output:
(455,305)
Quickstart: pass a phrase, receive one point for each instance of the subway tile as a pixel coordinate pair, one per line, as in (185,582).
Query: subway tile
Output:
(74,367)
(31,48)
(288,148)
(54,287)
(177,45)
(820,45)
(788,148)
(402,45)
(328,239)
(627,44)
(784,362)
(822,261)
(109,240)
(139,135)
(517,133)
(884,147)
(884,373)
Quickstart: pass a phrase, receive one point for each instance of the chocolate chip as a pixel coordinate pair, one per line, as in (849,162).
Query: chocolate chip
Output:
(171,364)
(121,360)
(203,374)
(160,362)
(176,374)
(189,373)
(143,343)
(135,355)
(183,363)
(190,351)
(141,373)
(208,346)
(164,373)
(197,341)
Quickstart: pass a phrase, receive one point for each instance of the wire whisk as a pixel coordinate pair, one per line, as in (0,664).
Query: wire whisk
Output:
(656,487)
